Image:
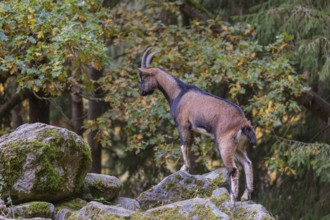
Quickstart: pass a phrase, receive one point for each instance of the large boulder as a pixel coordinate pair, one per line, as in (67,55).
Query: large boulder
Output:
(39,162)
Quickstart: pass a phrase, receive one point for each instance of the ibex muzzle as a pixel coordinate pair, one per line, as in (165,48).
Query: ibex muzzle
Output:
(195,110)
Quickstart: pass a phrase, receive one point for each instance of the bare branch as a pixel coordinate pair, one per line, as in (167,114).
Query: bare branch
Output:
(314,103)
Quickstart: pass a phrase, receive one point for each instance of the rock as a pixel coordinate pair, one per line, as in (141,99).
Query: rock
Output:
(32,210)
(218,177)
(96,210)
(101,187)
(3,207)
(66,208)
(72,204)
(220,192)
(63,214)
(42,162)
(219,196)
(178,186)
(246,210)
(127,203)
(197,208)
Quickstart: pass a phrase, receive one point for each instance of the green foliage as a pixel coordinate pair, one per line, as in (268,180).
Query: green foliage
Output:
(39,39)
(48,46)
(290,158)
(307,22)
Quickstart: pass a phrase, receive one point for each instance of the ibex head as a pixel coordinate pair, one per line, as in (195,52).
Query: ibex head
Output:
(147,74)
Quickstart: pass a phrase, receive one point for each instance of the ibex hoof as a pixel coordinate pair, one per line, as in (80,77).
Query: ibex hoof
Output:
(185,168)
(246,196)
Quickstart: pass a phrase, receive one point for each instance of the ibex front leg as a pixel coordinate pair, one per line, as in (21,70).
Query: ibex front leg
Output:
(187,138)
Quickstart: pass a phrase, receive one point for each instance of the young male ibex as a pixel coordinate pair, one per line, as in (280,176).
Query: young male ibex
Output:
(195,110)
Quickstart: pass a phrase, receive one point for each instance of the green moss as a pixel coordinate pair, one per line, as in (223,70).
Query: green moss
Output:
(202,213)
(12,160)
(39,209)
(218,200)
(242,213)
(218,182)
(48,177)
(179,177)
(175,213)
(73,146)
(94,214)
(73,204)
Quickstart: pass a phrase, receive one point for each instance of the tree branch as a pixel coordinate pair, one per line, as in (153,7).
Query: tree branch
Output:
(196,12)
(314,103)
(16,99)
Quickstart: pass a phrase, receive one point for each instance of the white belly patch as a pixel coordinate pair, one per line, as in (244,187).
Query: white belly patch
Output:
(203,131)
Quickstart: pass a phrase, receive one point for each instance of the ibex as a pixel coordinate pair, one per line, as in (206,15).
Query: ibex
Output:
(195,110)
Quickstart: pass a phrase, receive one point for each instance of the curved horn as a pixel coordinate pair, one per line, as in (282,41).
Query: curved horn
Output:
(143,61)
(149,58)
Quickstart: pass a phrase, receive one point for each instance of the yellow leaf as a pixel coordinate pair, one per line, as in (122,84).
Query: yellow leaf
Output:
(30,10)
(1,88)
(40,35)
(290,78)
(36,88)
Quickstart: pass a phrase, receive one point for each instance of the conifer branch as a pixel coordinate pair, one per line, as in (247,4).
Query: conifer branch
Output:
(308,99)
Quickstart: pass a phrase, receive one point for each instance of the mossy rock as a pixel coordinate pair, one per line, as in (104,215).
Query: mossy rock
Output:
(72,204)
(96,210)
(100,187)
(218,178)
(244,210)
(42,162)
(176,187)
(127,203)
(32,210)
(196,208)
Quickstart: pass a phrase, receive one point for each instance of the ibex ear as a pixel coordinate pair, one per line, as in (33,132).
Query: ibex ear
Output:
(149,71)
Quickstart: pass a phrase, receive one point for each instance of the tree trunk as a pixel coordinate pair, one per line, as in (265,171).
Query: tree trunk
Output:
(77,110)
(16,118)
(95,109)
(39,109)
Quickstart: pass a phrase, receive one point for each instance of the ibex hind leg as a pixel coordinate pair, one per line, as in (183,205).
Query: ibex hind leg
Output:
(227,148)
(242,157)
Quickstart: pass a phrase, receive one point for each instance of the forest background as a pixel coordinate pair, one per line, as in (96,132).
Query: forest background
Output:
(73,64)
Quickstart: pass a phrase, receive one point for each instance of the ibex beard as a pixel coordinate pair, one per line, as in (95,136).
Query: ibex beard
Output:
(195,110)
